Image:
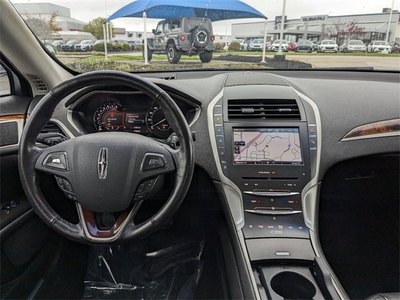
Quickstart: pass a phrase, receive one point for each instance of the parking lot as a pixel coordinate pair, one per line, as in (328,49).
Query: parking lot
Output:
(339,61)
(378,62)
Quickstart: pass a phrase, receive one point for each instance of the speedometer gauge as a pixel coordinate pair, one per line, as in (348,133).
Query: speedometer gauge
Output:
(156,121)
(109,117)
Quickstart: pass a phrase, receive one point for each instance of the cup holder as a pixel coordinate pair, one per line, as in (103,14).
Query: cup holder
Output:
(292,285)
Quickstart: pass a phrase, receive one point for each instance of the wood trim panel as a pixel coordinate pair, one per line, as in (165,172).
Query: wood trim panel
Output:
(11,118)
(89,221)
(382,127)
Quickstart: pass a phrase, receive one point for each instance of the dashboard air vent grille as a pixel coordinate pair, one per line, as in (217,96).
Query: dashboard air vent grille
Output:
(51,134)
(39,84)
(263,109)
(52,127)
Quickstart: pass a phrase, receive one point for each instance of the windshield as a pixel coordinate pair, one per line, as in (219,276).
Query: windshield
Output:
(356,43)
(215,37)
(304,43)
(278,41)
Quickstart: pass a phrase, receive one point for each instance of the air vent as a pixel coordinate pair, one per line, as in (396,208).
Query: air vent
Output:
(52,127)
(51,134)
(165,76)
(172,77)
(263,109)
(39,84)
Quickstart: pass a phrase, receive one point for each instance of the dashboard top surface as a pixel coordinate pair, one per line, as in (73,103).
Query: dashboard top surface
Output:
(344,103)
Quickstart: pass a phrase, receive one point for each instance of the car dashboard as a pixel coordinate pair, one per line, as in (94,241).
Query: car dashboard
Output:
(266,140)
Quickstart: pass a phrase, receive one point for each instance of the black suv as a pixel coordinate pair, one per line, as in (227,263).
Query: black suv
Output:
(191,36)
(69,46)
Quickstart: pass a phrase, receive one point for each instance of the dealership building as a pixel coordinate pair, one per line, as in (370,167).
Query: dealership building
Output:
(318,27)
(44,11)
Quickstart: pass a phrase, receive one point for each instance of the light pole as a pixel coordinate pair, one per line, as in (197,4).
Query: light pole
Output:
(388,28)
(105,31)
(146,60)
(282,26)
(390,21)
(265,41)
(105,41)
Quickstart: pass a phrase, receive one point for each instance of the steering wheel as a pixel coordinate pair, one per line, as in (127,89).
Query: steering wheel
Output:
(106,172)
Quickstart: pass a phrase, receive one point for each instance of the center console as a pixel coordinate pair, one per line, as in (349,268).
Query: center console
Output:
(265,140)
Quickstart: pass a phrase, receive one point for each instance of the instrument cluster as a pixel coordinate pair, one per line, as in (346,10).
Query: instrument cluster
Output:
(127,111)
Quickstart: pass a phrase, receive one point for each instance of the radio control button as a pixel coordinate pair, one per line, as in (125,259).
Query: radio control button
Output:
(219,130)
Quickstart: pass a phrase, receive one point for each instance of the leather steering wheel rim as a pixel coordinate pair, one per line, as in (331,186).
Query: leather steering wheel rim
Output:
(29,154)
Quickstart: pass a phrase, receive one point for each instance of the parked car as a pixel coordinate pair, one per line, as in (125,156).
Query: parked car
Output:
(328,46)
(379,46)
(315,45)
(119,41)
(275,45)
(256,45)
(69,46)
(292,46)
(354,46)
(134,44)
(177,36)
(395,48)
(304,46)
(51,48)
(84,46)
(58,44)
(98,42)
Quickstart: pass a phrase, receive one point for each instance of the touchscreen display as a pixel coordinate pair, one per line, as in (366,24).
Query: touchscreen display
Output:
(267,146)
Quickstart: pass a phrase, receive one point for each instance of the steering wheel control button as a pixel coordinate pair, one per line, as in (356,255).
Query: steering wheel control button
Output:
(68,186)
(60,182)
(64,184)
(149,184)
(153,161)
(71,196)
(140,188)
(139,197)
(56,160)
(143,189)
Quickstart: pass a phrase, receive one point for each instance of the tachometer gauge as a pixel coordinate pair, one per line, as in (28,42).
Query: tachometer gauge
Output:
(109,117)
(156,122)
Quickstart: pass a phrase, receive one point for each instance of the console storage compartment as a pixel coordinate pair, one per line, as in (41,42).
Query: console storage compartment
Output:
(288,269)
(289,282)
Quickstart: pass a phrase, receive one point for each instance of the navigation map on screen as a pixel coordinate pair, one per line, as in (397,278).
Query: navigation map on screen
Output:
(267,146)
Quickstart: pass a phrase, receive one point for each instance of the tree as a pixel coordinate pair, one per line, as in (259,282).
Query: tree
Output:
(40,27)
(95,27)
(344,31)
(43,28)
(52,22)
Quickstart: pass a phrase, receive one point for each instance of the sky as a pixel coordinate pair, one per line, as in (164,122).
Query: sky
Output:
(86,10)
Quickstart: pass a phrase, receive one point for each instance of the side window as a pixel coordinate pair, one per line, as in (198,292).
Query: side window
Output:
(166,27)
(175,24)
(159,28)
(5,87)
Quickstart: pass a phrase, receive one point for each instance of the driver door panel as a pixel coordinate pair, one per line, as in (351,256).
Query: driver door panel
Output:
(22,233)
